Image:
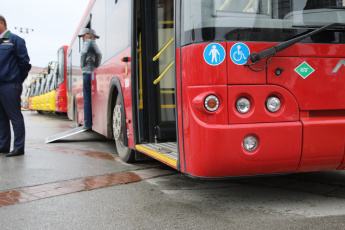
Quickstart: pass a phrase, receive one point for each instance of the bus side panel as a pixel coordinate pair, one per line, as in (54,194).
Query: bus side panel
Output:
(61,98)
(77,91)
(100,93)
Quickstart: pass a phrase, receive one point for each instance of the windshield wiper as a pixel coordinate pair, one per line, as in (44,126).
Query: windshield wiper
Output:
(255,57)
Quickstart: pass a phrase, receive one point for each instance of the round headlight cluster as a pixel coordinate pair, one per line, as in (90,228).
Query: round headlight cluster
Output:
(273,104)
(211,103)
(243,105)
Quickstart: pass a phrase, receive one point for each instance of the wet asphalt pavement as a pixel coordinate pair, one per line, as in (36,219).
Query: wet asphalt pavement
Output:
(79,183)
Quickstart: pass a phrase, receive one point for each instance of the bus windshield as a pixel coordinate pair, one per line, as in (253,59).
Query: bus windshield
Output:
(261,20)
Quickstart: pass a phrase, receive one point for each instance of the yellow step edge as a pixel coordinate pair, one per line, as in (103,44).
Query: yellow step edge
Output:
(168,106)
(157,155)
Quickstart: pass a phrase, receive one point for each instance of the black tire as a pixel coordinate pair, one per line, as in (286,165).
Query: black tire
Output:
(126,154)
(43,112)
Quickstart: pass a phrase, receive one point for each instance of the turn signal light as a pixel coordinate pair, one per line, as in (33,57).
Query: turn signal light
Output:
(211,103)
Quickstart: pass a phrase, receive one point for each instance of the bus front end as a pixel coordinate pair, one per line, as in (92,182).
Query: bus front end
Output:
(262,86)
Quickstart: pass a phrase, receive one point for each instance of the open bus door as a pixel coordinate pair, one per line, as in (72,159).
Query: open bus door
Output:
(155,77)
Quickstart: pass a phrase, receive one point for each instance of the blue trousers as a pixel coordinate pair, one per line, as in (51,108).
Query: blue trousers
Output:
(87,100)
(10,111)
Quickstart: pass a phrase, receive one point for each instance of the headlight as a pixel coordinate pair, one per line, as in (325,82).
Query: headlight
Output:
(211,103)
(243,105)
(250,143)
(273,104)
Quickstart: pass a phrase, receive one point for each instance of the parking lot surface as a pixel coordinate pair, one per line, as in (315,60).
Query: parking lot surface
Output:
(80,183)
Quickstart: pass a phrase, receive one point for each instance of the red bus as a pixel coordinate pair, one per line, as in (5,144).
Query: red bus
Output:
(218,88)
(61,90)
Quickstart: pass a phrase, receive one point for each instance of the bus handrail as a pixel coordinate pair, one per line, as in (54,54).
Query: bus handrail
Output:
(224,5)
(162,75)
(162,51)
(247,7)
(165,22)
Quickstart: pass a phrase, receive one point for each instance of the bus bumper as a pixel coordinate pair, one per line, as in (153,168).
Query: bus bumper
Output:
(217,150)
(313,144)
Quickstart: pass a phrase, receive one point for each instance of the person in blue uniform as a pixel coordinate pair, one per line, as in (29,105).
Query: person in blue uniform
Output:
(14,69)
(90,59)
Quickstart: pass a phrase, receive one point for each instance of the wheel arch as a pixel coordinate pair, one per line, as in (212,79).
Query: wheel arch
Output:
(114,90)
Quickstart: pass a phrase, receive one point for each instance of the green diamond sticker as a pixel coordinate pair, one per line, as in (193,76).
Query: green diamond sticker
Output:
(304,70)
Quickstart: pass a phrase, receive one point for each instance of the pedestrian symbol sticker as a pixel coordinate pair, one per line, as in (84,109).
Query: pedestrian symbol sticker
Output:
(239,53)
(214,54)
(304,70)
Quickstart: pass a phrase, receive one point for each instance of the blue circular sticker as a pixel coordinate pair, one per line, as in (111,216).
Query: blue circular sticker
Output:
(239,53)
(214,54)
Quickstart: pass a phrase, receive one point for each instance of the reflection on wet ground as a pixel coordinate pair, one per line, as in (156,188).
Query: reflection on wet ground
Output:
(99,155)
(23,195)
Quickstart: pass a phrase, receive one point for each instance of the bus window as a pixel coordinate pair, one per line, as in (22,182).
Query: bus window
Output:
(163,62)
(165,25)
(259,20)
(61,66)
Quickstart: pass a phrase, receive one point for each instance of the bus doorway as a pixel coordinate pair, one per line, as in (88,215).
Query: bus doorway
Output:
(156,77)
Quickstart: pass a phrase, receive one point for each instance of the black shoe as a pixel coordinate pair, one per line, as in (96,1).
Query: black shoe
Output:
(15,152)
(4,151)
(87,128)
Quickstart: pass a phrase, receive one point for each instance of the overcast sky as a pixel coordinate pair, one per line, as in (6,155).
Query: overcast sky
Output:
(54,23)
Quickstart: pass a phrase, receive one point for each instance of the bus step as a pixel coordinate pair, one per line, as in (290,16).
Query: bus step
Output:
(166,152)
(65,134)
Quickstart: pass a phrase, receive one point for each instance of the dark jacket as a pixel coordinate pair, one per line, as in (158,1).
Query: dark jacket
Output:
(14,59)
(90,56)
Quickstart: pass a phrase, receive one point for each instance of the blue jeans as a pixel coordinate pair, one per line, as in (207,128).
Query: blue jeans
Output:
(87,100)
(10,110)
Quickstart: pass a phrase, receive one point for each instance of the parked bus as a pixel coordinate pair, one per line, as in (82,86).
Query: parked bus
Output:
(25,97)
(46,87)
(50,87)
(35,93)
(61,92)
(218,88)
(31,94)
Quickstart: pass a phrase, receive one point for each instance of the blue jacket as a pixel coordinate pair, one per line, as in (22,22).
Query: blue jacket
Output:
(14,59)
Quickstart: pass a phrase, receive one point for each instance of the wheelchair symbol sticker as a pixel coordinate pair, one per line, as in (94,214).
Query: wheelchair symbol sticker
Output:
(214,54)
(239,53)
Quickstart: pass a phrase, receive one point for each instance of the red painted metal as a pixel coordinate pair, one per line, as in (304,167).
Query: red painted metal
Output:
(103,75)
(238,74)
(322,90)
(61,90)
(323,143)
(199,72)
(257,95)
(306,134)
(178,105)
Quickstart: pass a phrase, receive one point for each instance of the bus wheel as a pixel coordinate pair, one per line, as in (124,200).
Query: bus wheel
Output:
(126,154)
(43,112)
